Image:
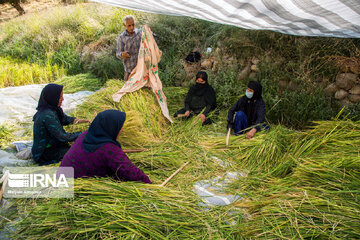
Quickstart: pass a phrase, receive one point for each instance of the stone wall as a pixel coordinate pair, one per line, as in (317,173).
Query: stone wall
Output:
(346,88)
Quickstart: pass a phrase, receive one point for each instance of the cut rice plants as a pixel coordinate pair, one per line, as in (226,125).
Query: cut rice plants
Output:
(144,120)
(80,82)
(107,209)
(319,198)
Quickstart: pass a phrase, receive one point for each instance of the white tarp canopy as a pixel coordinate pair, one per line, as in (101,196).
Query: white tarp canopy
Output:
(326,18)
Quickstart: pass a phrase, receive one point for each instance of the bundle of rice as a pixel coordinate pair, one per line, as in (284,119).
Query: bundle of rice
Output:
(265,152)
(319,198)
(144,121)
(105,209)
(80,82)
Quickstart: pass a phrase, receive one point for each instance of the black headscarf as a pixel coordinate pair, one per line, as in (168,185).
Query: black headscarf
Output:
(49,99)
(203,90)
(104,129)
(249,104)
(256,86)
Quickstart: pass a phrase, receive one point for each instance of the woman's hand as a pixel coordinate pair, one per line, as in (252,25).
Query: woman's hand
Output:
(251,133)
(76,121)
(202,117)
(187,113)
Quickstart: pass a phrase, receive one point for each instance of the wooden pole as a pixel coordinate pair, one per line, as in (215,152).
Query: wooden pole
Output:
(172,175)
(4,180)
(227,137)
(134,150)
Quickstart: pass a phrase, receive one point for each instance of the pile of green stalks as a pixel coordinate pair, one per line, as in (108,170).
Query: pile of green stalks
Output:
(16,73)
(105,209)
(306,184)
(80,82)
(299,184)
(144,120)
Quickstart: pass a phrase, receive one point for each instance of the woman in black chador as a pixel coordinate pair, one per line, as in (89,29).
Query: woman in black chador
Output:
(248,113)
(200,97)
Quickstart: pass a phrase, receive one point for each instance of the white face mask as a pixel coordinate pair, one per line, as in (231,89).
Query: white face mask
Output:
(249,95)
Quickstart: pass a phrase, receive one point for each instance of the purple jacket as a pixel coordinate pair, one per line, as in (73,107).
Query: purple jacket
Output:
(107,161)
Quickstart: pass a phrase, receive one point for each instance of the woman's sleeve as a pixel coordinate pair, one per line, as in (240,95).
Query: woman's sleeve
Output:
(122,168)
(232,111)
(68,120)
(260,115)
(188,99)
(56,130)
(211,102)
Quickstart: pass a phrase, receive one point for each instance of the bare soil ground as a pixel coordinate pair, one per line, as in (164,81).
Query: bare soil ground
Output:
(8,12)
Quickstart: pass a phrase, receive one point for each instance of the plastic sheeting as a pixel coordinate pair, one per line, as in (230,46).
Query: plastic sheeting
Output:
(326,18)
(18,104)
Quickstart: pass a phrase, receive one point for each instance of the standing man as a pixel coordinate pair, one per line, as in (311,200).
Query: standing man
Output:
(128,45)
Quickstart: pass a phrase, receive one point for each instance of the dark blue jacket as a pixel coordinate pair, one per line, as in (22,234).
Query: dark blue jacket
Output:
(253,108)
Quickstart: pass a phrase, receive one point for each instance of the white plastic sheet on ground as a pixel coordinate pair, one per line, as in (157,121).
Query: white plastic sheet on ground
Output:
(18,104)
(212,191)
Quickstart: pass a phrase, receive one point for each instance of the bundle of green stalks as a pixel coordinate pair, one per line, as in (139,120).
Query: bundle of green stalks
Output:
(106,209)
(319,198)
(80,82)
(264,152)
(145,123)
(15,73)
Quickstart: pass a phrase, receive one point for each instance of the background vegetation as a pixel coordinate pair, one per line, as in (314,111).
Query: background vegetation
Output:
(298,184)
(82,39)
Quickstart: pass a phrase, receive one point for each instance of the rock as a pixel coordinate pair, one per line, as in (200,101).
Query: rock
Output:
(293,86)
(283,84)
(355,90)
(215,66)
(254,68)
(341,94)
(346,80)
(355,68)
(344,102)
(252,75)
(331,89)
(207,63)
(244,73)
(354,98)
(255,61)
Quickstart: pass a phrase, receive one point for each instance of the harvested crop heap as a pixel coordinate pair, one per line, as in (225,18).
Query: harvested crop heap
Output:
(298,185)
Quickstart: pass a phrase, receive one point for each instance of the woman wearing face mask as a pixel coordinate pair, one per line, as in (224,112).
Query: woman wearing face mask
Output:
(200,96)
(97,153)
(248,111)
(50,139)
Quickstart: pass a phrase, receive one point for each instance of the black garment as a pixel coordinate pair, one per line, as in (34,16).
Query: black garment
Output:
(50,136)
(254,108)
(53,154)
(200,96)
(193,57)
(49,99)
(104,129)
(183,110)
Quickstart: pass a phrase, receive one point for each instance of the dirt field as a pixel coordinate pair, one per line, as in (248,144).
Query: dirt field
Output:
(8,12)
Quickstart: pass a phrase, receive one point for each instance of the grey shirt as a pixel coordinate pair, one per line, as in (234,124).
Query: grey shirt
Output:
(130,44)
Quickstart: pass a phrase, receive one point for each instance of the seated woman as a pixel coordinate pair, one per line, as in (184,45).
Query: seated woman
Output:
(248,111)
(97,153)
(200,96)
(50,139)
